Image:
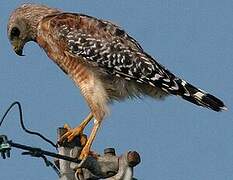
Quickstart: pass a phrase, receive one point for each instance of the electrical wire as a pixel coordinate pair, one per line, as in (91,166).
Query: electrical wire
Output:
(22,123)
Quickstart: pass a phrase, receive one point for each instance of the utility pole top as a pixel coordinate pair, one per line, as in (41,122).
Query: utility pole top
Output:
(108,166)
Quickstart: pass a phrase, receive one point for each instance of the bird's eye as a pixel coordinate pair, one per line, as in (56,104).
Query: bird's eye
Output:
(15,32)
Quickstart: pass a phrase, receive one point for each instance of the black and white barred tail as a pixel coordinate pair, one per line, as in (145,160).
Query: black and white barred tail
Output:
(194,95)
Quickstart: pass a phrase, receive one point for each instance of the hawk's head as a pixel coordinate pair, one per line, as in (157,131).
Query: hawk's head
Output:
(23,23)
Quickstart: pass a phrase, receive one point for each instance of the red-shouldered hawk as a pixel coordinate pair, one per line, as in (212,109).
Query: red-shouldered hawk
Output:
(102,60)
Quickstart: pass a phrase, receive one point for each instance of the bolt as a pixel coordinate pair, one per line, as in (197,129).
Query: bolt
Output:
(109,151)
(133,158)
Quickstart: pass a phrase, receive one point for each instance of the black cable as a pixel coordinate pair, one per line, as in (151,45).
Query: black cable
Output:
(22,123)
(47,162)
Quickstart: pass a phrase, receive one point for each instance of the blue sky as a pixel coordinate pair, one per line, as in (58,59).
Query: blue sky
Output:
(176,140)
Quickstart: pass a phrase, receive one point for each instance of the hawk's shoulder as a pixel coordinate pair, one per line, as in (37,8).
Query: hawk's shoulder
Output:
(88,25)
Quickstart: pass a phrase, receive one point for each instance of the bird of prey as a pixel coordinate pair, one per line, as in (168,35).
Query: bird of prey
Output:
(104,61)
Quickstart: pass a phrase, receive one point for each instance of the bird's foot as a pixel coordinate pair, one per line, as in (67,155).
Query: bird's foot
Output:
(72,133)
(84,154)
(87,152)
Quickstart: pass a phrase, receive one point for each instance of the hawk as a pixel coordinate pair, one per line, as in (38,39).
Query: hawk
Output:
(104,61)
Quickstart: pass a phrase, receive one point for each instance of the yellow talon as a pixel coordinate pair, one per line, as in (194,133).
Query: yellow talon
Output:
(71,133)
(78,131)
(66,126)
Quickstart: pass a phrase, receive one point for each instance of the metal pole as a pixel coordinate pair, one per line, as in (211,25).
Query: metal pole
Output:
(66,172)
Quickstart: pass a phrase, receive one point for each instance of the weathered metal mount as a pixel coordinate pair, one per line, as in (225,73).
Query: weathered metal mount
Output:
(107,166)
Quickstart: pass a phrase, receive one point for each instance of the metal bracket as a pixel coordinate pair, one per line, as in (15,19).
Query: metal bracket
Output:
(5,147)
(108,166)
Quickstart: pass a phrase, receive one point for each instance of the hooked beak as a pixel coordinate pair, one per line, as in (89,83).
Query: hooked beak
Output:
(19,52)
(18,48)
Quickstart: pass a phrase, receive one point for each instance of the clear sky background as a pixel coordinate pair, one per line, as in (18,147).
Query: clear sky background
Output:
(176,140)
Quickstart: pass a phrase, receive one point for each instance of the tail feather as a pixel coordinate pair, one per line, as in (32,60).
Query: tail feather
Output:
(168,82)
(196,96)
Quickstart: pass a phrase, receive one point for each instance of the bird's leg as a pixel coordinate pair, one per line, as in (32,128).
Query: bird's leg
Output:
(86,149)
(72,133)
